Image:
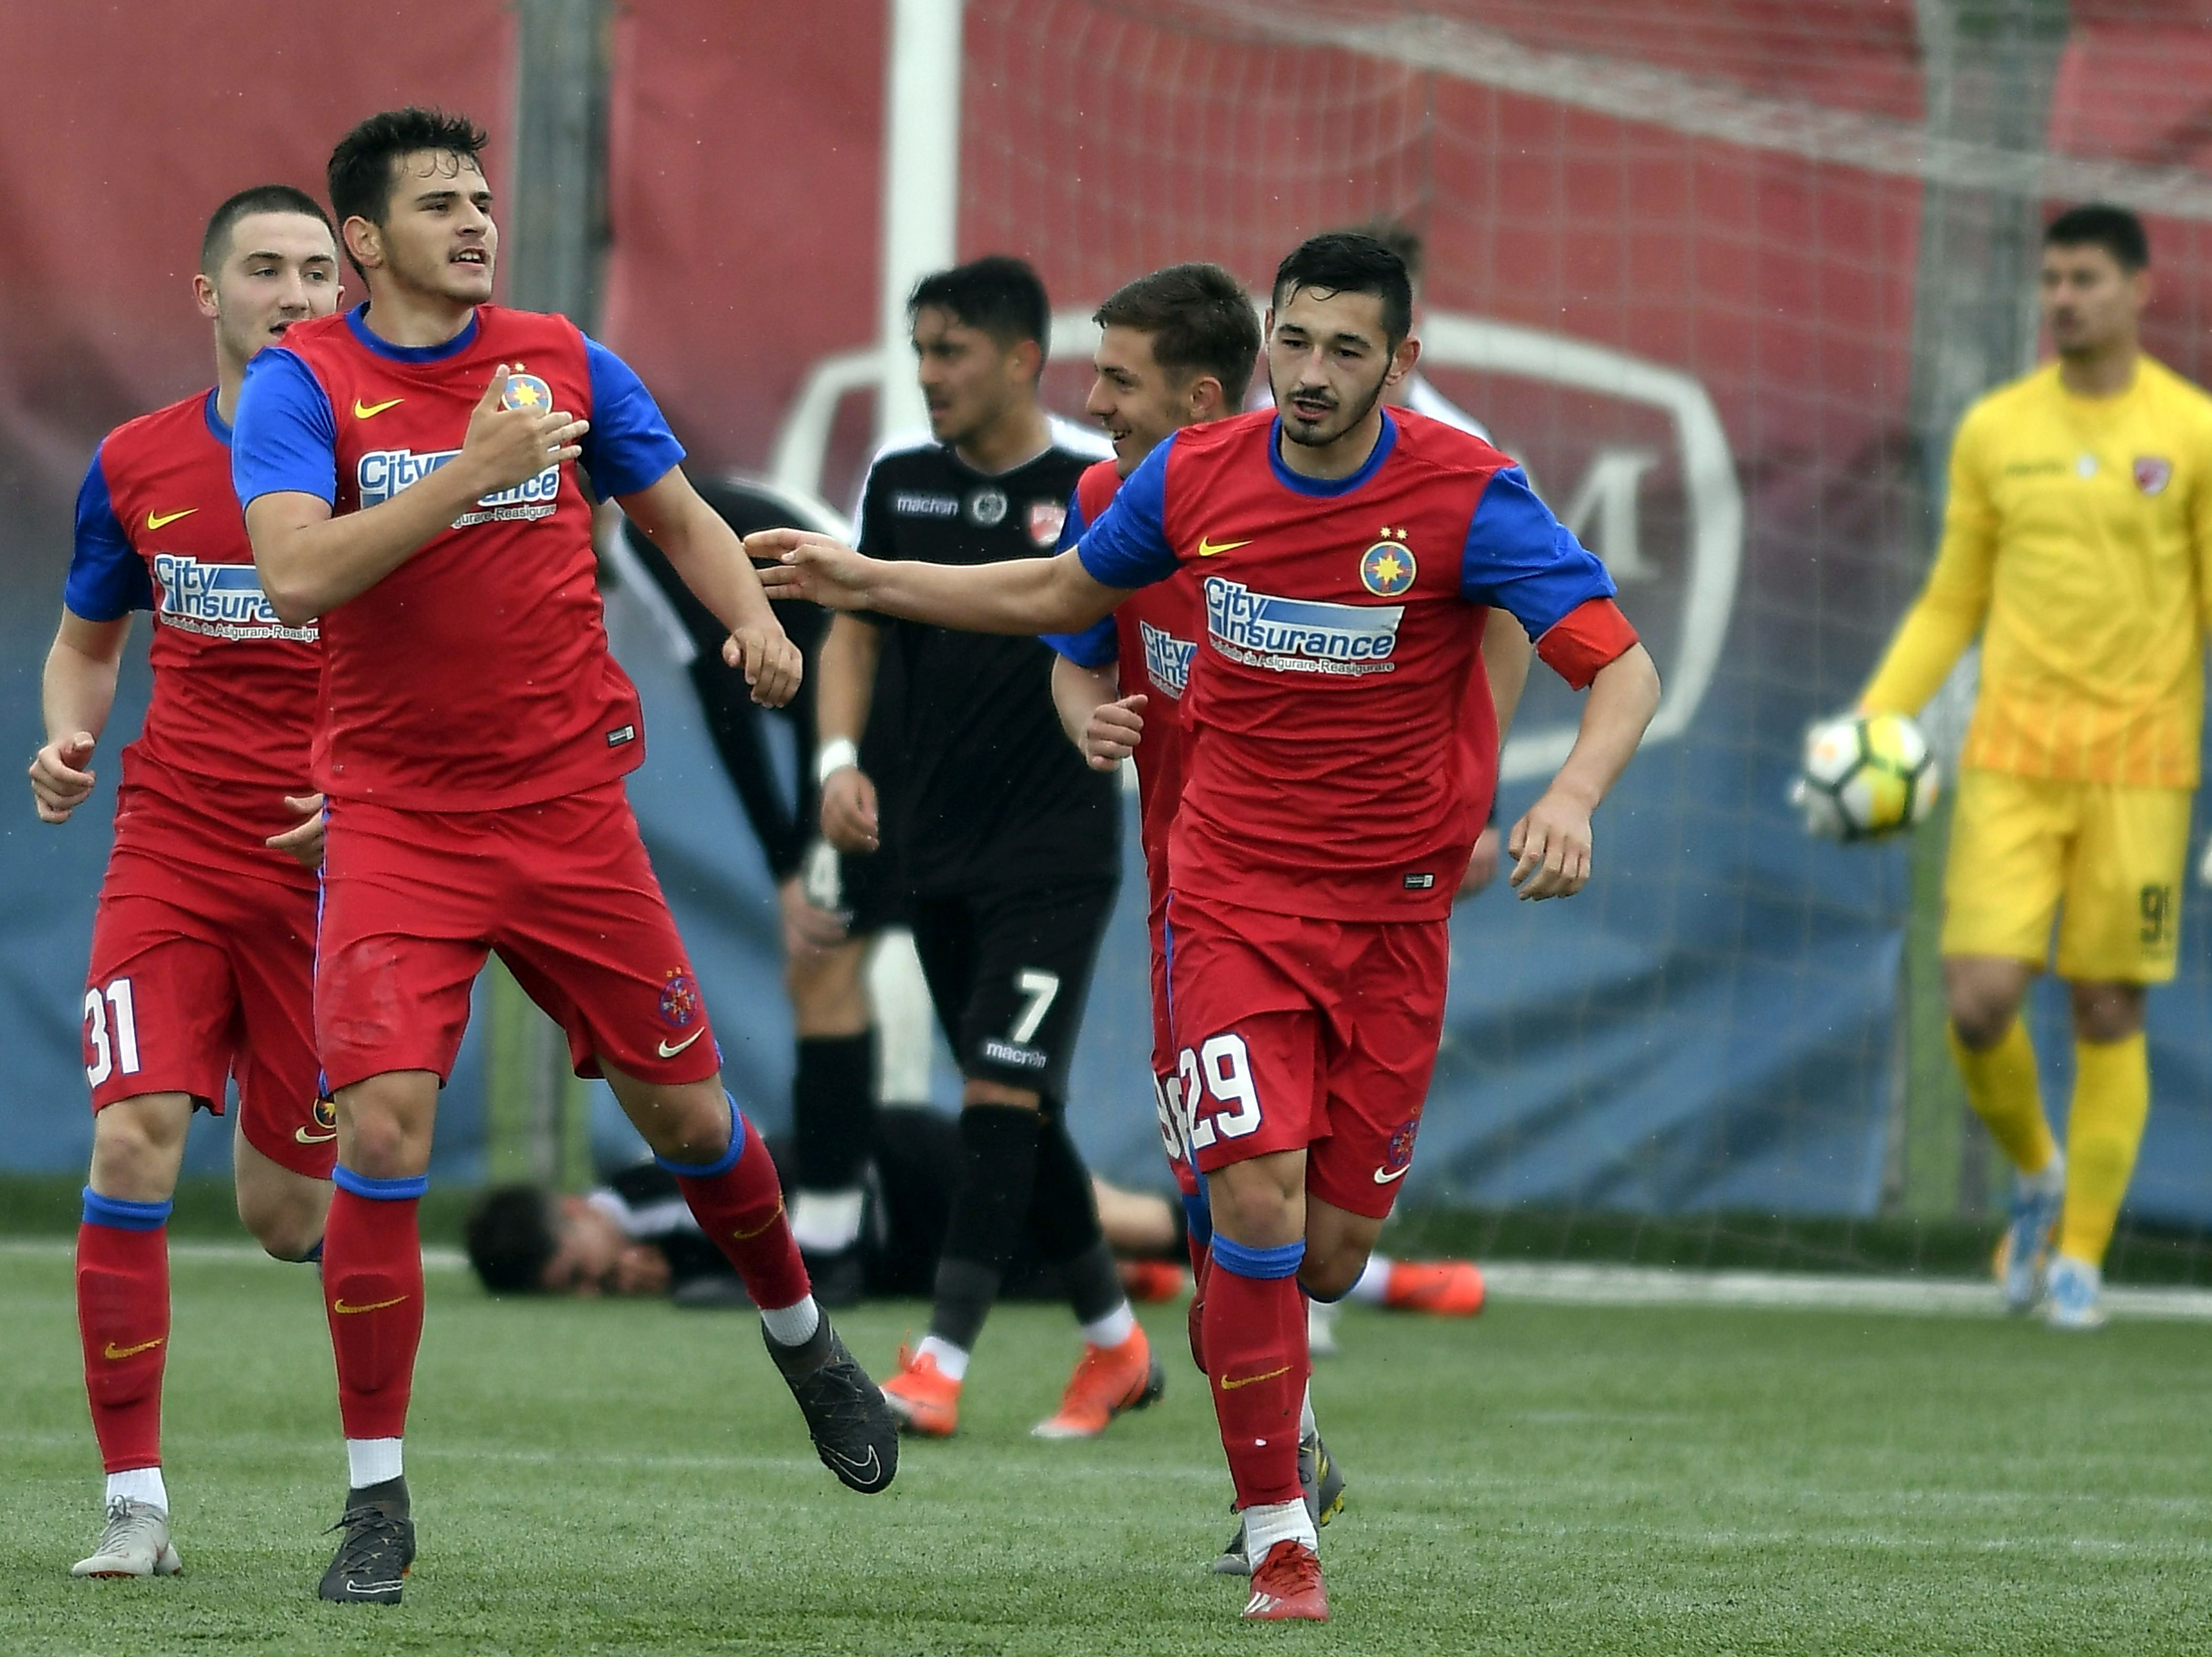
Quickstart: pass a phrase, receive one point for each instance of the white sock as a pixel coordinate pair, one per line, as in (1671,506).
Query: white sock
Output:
(371,1461)
(1308,1428)
(1117,1327)
(826,1222)
(793,1325)
(1374,1283)
(951,1360)
(2048,1181)
(140,1485)
(1268,1523)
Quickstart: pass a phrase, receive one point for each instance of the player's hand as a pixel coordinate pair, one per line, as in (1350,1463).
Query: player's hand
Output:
(1114,730)
(808,928)
(304,843)
(508,447)
(1482,867)
(800,564)
(770,662)
(848,810)
(1551,848)
(59,782)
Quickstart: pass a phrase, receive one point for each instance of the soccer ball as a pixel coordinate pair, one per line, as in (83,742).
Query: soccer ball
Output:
(1865,777)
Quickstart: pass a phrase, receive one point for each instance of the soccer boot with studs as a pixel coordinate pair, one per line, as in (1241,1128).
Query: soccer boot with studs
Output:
(2024,1251)
(1108,1380)
(2074,1297)
(853,1426)
(925,1401)
(1286,1586)
(135,1543)
(377,1548)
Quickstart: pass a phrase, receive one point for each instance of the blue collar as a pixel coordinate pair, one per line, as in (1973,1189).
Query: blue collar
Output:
(357,319)
(1329,487)
(215,424)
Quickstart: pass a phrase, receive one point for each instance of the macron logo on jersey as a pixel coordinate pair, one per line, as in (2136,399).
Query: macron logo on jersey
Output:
(1167,659)
(384,472)
(1300,635)
(222,601)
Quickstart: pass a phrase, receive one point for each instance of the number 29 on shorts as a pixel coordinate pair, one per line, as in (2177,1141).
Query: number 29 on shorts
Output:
(1218,1097)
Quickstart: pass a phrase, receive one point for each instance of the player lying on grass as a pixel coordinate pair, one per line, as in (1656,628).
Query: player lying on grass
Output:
(409,473)
(2076,538)
(1339,549)
(203,952)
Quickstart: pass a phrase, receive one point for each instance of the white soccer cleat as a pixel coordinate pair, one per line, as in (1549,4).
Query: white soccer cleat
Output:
(2074,1295)
(2024,1252)
(135,1543)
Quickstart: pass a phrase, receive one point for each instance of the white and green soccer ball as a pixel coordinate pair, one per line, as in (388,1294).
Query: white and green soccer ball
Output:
(1865,777)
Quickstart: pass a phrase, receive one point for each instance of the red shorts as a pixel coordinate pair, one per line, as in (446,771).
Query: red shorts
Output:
(413,902)
(201,976)
(1304,1034)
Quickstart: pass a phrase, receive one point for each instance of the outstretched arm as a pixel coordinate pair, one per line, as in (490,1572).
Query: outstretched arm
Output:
(1551,846)
(1017,595)
(711,560)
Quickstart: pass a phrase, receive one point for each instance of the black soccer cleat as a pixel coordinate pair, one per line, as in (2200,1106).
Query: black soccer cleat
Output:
(377,1550)
(854,1430)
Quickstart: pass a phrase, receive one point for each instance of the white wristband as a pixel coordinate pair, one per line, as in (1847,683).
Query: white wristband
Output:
(833,756)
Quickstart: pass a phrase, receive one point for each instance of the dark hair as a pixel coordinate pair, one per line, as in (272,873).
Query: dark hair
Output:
(999,293)
(1349,261)
(1200,319)
(1400,238)
(510,1238)
(215,246)
(2115,229)
(365,165)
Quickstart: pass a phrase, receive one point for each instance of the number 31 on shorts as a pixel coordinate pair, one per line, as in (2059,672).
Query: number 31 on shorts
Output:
(1218,1074)
(117,1051)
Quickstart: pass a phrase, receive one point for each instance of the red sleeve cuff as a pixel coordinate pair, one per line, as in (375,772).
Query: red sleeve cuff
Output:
(1589,637)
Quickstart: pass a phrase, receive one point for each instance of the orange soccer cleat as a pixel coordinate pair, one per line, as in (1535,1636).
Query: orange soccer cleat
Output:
(1443,1289)
(923,1397)
(1108,1379)
(1286,1587)
(1150,1282)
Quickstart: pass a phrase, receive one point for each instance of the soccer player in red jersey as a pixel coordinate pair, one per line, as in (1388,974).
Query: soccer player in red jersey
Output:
(408,474)
(1324,821)
(203,952)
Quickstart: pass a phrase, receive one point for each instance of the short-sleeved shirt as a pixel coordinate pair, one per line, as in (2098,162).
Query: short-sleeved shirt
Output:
(1326,774)
(993,794)
(476,676)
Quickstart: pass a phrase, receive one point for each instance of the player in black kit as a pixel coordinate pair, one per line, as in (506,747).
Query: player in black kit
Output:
(1010,844)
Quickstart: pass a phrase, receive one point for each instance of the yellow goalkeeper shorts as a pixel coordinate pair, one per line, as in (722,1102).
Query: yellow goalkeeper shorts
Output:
(2113,855)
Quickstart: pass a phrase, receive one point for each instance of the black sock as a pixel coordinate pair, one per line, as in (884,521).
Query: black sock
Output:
(999,1159)
(833,1108)
(1064,1225)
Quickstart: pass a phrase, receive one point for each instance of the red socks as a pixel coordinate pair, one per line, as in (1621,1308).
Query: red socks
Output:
(373,1292)
(1255,1327)
(738,1204)
(123,1316)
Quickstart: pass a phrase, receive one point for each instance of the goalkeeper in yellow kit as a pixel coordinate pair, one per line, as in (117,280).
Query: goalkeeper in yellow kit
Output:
(2075,543)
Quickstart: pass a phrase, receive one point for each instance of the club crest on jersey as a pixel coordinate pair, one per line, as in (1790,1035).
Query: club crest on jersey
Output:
(1047,519)
(222,601)
(1387,568)
(326,1116)
(987,508)
(679,999)
(1399,1153)
(1300,635)
(2152,474)
(528,393)
(1167,659)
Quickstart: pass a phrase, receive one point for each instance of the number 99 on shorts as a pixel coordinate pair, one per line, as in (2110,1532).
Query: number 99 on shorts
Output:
(1211,1097)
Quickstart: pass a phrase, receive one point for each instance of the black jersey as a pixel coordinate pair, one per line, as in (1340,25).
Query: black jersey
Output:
(993,794)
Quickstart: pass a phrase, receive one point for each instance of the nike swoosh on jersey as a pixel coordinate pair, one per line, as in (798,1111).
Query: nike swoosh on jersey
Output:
(1206,549)
(307,1138)
(156,520)
(115,1354)
(667,1052)
(369,410)
(1230,1383)
(1383,1176)
(345,1311)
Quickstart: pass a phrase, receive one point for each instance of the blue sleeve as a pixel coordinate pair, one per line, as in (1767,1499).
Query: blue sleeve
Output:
(1520,558)
(1097,644)
(285,438)
(629,447)
(108,578)
(1127,547)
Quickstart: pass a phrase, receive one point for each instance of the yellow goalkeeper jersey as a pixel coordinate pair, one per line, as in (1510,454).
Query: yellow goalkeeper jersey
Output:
(2075,543)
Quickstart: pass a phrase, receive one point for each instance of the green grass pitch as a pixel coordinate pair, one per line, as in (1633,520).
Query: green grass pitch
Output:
(627,1478)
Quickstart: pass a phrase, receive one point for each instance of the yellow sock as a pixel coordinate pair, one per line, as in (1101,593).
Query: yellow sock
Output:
(2001,1086)
(2112,1097)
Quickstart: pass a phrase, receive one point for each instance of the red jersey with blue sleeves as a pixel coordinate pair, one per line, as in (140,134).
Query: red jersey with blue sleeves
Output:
(1327,774)
(159,528)
(476,676)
